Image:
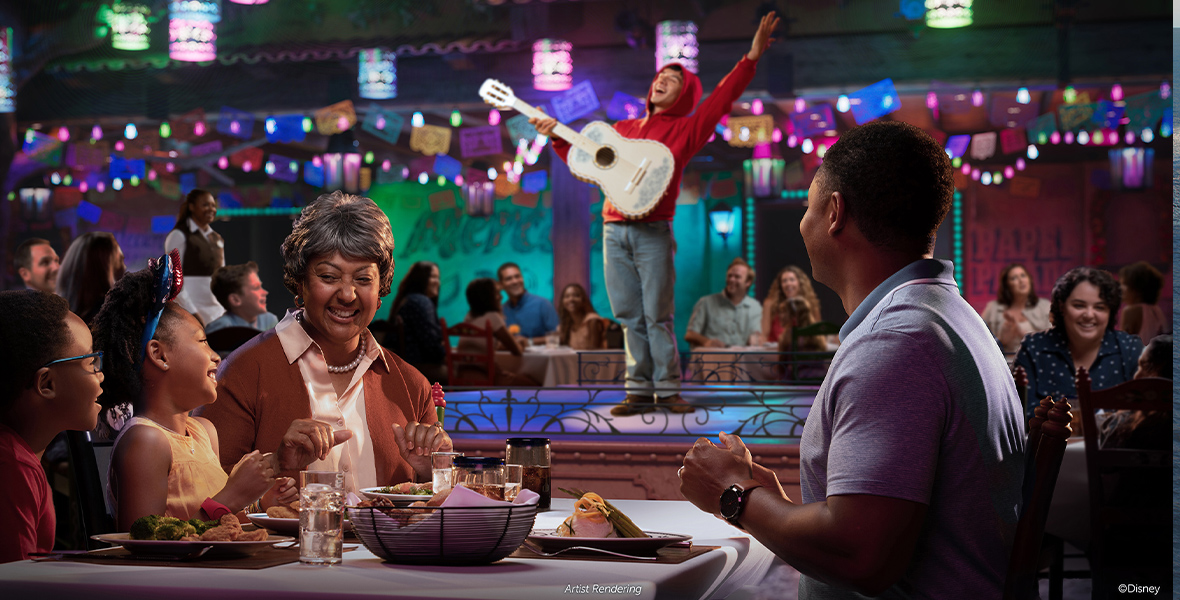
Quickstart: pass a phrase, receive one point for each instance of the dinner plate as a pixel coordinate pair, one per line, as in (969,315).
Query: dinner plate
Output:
(284,526)
(179,549)
(397,499)
(549,541)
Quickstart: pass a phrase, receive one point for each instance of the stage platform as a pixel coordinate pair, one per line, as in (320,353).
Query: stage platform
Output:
(635,456)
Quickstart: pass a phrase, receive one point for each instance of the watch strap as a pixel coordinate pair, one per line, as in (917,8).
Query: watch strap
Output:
(746,488)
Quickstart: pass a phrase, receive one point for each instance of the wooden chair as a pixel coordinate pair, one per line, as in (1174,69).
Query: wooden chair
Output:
(1045,447)
(225,341)
(485,374)
(1130,512)
(89,462)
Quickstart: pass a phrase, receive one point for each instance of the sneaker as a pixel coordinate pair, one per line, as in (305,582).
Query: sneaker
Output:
(633,405)
(675,404)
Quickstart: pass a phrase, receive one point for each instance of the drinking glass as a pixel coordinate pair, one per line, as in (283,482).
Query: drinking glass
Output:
(513,477)
(484,475)
(552,340)
(534,455)
(321,517)
(440,465)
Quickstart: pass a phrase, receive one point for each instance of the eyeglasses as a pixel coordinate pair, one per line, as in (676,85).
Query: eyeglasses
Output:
(96,355)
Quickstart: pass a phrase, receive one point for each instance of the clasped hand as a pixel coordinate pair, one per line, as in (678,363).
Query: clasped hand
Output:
(417,441)
(710,468)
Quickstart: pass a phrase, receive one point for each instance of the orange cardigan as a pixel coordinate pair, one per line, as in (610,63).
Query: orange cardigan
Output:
(259,394)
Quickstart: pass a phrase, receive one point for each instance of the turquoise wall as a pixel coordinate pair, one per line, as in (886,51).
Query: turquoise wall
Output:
(429,223)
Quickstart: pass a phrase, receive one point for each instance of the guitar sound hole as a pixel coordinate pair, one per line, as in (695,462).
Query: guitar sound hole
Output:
(605,157)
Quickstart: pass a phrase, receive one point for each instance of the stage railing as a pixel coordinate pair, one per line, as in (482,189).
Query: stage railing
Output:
(766,412)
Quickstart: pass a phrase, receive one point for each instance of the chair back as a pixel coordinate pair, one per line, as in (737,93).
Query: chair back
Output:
(613,334)
(1047,432)
(820,328)
(226,340)
(1021,380)
(1129,511)
(485,361)
(89,464)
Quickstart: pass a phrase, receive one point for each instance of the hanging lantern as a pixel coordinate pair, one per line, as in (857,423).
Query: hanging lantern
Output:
(676,42)
(7,85)
(191,30)
(553,65)
(130,25)
(723,219)
(764,177)
(377,76)
(479,198)
(948,14)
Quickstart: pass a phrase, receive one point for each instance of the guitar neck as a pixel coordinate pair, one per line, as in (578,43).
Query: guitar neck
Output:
(574,138)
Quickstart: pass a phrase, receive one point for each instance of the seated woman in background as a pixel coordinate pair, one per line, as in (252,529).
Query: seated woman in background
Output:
(417,304)
(93,263)
(483,301)
(1083,304)
(579,326)
(1016,311)
(1141,284)
(791,282)
(166,462)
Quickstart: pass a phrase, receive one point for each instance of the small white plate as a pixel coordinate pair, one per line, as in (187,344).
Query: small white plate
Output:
(283,526)
(181,549)
(397,499)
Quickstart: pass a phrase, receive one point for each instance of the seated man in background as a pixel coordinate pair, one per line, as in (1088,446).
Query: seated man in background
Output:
(728,318)
(37,263)
(533,314)
(240,291)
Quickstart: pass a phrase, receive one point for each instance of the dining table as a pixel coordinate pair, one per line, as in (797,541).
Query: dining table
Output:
(737,562)
(559,365)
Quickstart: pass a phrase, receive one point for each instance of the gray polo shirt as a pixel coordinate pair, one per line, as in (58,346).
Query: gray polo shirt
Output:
(714,316)
(919,405)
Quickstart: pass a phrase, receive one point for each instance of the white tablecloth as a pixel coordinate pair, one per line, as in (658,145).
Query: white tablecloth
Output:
(740,561)
(559,366)
(1069,512)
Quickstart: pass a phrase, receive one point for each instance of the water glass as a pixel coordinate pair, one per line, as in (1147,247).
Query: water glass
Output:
(534,455)
(552,340)
(331,478)
(321,517)
(440,465)
(513,477)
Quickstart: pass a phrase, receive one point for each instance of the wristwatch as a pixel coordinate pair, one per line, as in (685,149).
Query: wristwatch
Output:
(733,500)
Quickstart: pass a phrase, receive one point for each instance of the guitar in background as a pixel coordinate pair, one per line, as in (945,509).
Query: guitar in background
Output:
(633,174)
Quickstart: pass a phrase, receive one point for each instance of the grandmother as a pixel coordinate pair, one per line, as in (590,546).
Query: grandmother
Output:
(1082,306)
(321,361)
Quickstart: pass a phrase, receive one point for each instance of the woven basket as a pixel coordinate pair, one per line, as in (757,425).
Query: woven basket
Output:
(469,535)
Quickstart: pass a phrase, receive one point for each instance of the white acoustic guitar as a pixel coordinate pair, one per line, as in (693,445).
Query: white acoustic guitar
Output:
(633,174)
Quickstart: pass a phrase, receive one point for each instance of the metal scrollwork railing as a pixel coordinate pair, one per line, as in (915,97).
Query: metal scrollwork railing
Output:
(583,413)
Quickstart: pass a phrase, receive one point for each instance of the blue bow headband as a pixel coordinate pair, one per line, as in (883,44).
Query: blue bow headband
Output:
(167,279)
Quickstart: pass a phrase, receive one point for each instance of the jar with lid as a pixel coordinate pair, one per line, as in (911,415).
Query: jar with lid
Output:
(484,475)
(534,455)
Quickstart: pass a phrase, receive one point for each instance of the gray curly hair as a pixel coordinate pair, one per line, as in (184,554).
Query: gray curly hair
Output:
(351,225)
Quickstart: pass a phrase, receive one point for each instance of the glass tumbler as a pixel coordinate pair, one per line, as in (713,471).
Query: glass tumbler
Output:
(321,517)
(534,455)
(441,464)
(480,474)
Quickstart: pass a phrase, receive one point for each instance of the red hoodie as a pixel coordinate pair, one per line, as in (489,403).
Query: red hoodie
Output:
(684,135)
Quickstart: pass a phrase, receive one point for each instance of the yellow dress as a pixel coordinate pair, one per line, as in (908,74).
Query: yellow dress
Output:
(195,473)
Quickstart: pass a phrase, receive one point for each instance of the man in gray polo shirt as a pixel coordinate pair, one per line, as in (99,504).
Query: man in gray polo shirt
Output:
(726,318)
(912,458)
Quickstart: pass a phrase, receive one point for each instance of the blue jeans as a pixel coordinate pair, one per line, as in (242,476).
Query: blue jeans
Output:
(640,280)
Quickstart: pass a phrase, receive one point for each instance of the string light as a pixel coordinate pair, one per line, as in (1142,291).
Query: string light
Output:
(1116,92)
(1033,153)
(493,117)
(130,132)
(456,118)
(1070,95)
(165,130)
(63,134)
(96,133)
(417,120)
(808,146)
(977,98)
(842,104)
(423,178)
(756,106)
(1022,96)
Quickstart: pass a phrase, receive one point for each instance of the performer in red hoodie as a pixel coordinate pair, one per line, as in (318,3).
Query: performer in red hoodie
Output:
(639,269)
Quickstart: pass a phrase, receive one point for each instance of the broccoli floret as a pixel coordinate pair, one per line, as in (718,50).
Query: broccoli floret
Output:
(170,531)
(170,521)
(202,526)
(144,528)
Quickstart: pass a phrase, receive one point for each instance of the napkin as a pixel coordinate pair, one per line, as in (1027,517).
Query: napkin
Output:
(461,496)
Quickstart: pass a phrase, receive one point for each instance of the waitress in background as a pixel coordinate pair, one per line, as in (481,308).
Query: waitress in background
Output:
(202,251)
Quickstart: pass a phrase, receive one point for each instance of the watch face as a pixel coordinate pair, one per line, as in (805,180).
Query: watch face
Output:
(731,502)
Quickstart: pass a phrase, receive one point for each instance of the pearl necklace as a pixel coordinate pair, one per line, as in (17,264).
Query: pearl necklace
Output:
(356,362)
